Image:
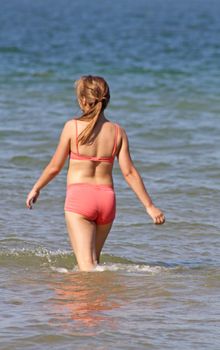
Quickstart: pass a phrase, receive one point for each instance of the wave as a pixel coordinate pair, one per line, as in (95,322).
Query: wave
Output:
(10,49)
(19,253)
(25,160)
(113,267)
(62,261)
(35,257)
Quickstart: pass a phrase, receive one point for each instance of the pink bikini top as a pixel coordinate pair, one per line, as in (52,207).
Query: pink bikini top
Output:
(110,159)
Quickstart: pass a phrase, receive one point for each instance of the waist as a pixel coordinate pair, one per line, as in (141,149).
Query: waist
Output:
(91,185)
(89,172)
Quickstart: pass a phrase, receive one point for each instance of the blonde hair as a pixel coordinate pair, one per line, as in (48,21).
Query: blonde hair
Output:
(94,92)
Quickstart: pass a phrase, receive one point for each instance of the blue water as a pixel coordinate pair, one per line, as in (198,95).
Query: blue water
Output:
(157,287)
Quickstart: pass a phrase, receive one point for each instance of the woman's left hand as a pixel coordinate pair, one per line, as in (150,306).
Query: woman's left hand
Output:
(156,214)
(32,198)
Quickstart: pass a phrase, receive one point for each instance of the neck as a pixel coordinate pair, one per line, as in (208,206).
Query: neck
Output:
(101,118)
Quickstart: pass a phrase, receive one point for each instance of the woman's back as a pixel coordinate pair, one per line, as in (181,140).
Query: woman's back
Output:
(92,162)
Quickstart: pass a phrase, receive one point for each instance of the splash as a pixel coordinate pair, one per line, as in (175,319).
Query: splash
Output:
(115,267)
(63,261)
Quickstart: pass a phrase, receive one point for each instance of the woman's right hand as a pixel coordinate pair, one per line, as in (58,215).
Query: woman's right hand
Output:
(156,214)
(32,198)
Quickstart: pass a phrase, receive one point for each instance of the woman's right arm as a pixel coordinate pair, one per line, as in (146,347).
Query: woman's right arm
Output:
(55,165)
(135,181)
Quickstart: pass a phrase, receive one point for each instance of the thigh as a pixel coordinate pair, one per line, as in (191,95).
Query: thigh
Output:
(102,232)
(82,233)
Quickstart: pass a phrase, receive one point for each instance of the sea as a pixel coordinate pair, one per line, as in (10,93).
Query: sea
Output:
(157,287)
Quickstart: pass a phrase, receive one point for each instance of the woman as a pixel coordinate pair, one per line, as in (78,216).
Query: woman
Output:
(92,142)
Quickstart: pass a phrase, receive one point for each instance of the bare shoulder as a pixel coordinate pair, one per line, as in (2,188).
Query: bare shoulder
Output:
(111,125)
(68,126)
(69,123)
(121,132)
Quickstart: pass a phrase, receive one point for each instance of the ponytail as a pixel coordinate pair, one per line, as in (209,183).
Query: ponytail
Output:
(92,116)
(95,91)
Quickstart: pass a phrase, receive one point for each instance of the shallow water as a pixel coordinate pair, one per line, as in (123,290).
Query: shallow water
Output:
(157,287)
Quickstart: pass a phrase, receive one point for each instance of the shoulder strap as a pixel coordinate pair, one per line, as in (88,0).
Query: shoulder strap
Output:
(76,136)
(115,141)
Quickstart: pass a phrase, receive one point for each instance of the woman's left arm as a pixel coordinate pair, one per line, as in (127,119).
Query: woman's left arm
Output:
(55,165)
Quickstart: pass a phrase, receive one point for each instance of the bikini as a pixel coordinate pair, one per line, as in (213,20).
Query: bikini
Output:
(95,202)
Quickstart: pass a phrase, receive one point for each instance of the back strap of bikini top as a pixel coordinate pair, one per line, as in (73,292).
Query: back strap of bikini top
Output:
(115,139)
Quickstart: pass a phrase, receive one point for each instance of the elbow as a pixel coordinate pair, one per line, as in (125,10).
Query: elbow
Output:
(53,171)
(129,173)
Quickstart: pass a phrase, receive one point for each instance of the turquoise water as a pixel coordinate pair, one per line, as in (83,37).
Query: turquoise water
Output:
(157,287)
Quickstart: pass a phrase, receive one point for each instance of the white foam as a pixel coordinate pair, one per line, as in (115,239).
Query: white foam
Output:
(60,269)
(129,268)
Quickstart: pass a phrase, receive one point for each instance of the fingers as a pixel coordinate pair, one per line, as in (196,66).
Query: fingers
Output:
(156,214)
(32,198)
(29,203)
(160,219)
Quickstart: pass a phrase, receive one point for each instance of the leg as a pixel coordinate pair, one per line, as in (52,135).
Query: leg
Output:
(82,233)
(102,232)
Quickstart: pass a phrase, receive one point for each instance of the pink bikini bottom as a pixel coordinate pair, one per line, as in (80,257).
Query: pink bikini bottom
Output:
(95,202)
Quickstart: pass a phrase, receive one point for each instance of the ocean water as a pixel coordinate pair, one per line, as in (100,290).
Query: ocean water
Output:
(157,286)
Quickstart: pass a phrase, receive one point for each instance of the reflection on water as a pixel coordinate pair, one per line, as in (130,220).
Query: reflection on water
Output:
(87,299)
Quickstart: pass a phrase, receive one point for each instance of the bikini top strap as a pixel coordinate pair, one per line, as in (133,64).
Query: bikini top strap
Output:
(116,139)
(76,134)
